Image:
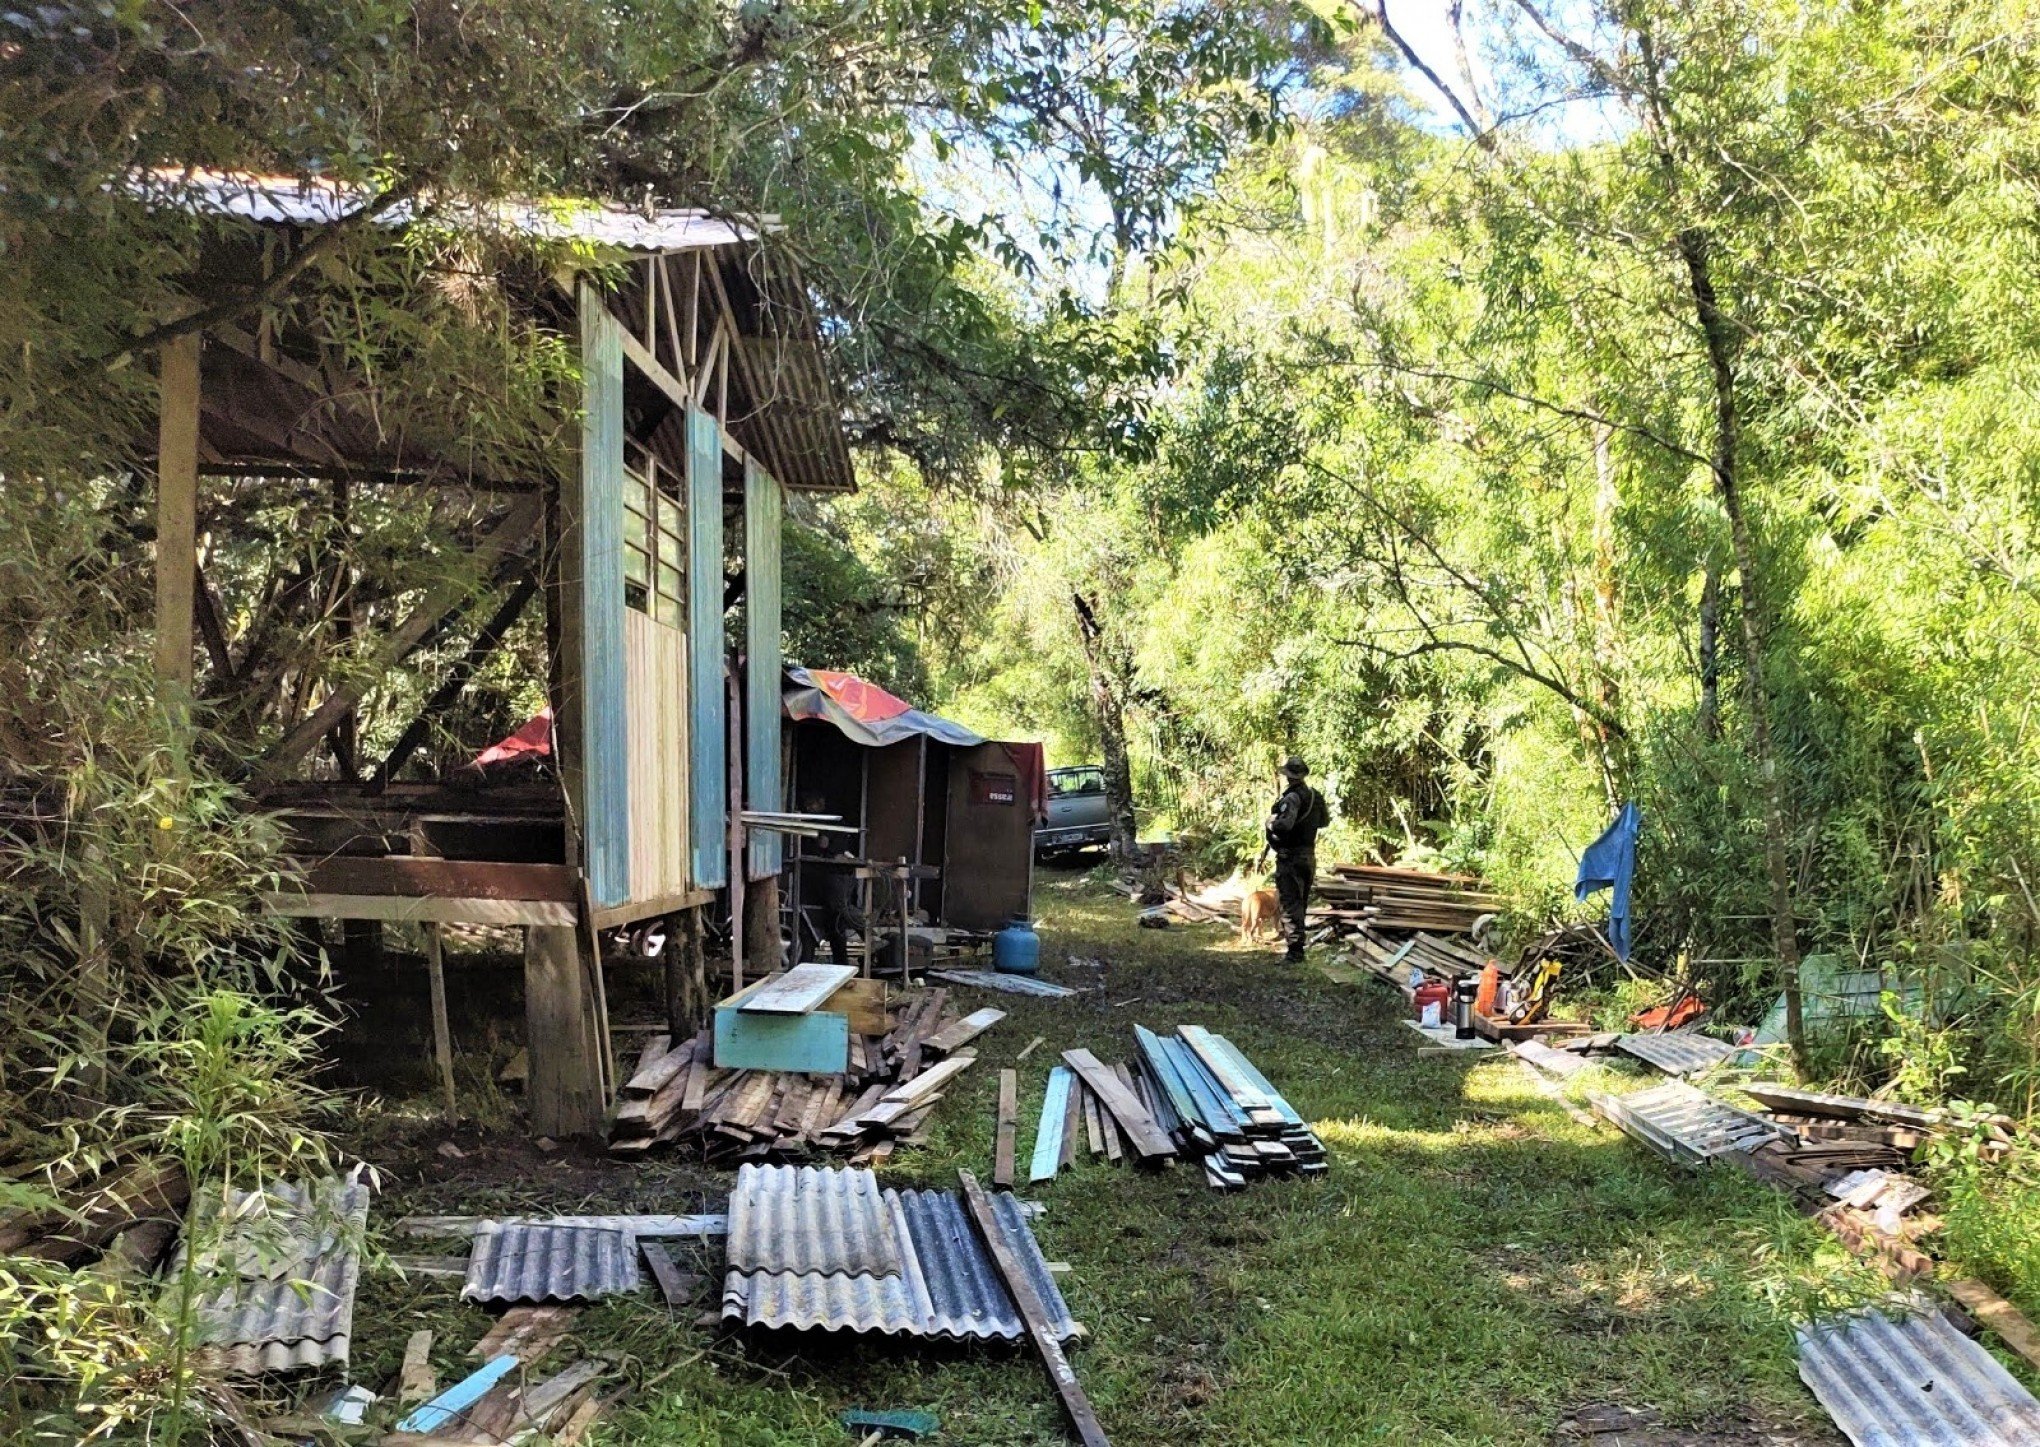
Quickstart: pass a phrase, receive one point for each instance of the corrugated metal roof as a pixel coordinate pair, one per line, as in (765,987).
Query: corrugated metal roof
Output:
(516,1261)
(315,201)
(1677,1052)
(286,1271)
(1686,1125)
(1913,1381)
(969,1300)
(947,1286)
(806,1219)
(1007,984)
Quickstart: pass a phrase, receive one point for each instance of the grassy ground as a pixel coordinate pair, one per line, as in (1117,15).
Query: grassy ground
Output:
(1476,1266)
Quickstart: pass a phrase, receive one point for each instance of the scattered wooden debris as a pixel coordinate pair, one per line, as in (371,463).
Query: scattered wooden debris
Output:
(525,1333)
(866,1111)
(415,1380)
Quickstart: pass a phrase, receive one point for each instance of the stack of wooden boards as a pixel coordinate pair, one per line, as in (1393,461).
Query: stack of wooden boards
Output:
(1222,1110)
(1438,957)
(1087,1103)
(679,1094)
(1404,898)
(1192,1094)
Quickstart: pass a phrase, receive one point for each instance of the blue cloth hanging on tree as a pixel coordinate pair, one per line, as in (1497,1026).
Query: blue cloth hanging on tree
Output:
(1610,862)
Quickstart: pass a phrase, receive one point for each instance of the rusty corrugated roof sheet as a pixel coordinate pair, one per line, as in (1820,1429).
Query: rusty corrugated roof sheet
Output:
(947,1286)
(804,1219)
(520,1261)
(1685,1124)
(1910,1379)
(283,1276)
(1677,1052)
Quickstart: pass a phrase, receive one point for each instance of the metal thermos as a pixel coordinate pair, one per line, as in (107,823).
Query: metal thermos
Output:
(1464,992)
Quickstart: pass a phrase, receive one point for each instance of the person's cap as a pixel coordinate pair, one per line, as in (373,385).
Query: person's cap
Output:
(1294,767)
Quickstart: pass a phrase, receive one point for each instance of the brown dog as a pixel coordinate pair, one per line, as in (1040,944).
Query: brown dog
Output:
(1257,914)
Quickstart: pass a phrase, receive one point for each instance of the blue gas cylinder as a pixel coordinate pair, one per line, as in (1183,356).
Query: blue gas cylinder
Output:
(1016,949)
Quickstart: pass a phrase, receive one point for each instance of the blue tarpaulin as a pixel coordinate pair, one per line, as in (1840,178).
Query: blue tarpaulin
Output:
(1610,863)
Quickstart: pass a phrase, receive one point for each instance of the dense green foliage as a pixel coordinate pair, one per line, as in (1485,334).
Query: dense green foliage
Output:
(1437,500)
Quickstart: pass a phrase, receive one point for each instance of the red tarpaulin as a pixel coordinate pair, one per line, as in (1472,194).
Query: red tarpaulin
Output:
(533,741)
(865,701)
(1033,763)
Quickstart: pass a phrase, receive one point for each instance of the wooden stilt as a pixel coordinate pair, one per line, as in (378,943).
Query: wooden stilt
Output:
(442,1028)
(679,1022)
(565,1090)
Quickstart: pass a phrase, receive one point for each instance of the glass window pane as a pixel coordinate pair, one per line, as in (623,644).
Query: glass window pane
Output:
(669,613)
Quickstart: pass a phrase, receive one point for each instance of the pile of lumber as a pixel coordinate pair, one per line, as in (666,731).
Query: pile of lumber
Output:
(1222,1111)
(1088,1103)
(678,1095)
(1438,956)
(1404,899)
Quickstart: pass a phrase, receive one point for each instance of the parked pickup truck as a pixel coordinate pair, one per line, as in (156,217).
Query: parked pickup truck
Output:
(1077,811)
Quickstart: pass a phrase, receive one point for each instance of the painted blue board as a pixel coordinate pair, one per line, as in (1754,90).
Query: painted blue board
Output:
(1255,1078)
(707,724)
(764,507)
(817,1043)
(605,762)
(446,1408)
(1048,1136)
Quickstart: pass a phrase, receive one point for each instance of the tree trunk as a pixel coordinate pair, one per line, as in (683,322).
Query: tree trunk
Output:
(1710,654)
(1108,705)
(1720,340)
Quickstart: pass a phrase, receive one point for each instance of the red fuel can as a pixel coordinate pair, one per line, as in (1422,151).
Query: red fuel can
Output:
(1433,992)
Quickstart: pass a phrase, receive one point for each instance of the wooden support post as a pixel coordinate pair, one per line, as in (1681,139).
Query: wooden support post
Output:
(679,1020)
(442,1028)
(868,896)
(906,944)
(761,925)
(697,961)
(565,1090)
(176,518)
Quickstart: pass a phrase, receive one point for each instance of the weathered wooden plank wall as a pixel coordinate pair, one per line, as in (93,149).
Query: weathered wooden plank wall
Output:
(763,511)
(656,669)
(707,745)
(605,769)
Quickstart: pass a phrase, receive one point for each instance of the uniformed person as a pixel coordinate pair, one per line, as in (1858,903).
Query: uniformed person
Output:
(1292,831)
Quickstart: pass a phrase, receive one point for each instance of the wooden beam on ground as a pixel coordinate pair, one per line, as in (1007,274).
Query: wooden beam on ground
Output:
(1083,1421)
(177,517)
(1999,1315)
(442,1028)
(1008,1129)
(1150,1142)
(675,1285)
(963,1031)
(415,1381)
(1048,1133)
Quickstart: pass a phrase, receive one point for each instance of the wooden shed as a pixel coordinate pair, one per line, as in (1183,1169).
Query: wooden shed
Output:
(702,398)
(922,789)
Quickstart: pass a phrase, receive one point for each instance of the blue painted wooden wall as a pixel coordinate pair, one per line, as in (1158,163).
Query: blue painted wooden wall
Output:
(605,765)
(708,778)
(763,510)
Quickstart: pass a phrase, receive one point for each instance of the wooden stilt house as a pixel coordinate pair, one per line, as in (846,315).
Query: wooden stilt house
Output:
(702,398)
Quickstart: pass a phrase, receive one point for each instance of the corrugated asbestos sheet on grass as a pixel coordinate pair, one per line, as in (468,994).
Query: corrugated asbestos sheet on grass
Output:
(284,1277)
(517,1261)
(946,1288)
(1677,1052)
(1913,1382)
(804,1219)
(1684,1124)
